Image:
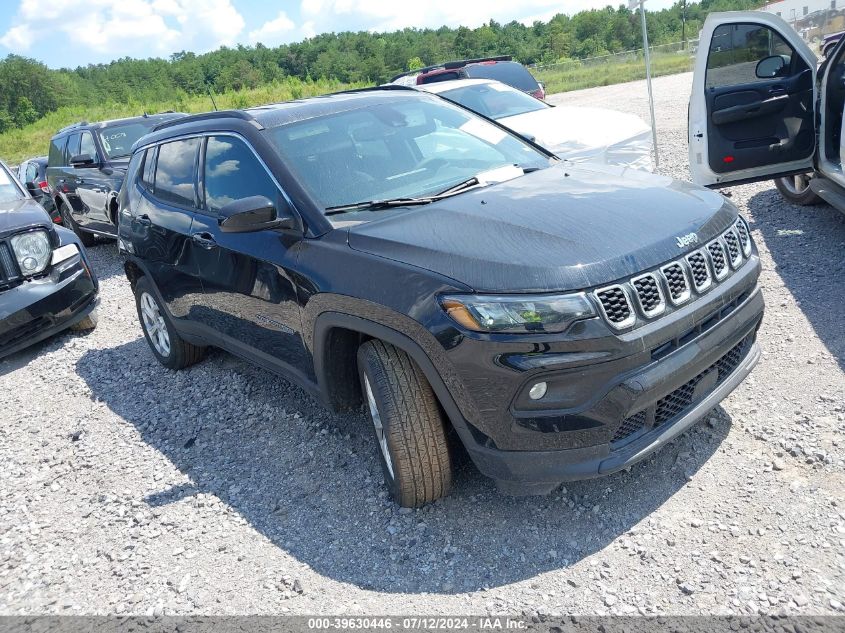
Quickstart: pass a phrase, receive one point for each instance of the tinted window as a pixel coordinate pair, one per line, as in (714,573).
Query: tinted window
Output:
(86,145)
(57,151)
(233,172)
(147,174)
(735,51)
(31,172)
(509,73)
(174,179)
(496,101)
(72,148)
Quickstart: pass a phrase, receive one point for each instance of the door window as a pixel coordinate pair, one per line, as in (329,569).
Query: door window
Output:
(57,152)
(72,148)
(87,146)
(233,172)
(735,51)
(174,178)
(31,172)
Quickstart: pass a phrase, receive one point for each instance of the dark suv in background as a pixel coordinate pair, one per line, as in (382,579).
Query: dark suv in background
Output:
(501,68)
(33,174)
(85,169)
(390,248)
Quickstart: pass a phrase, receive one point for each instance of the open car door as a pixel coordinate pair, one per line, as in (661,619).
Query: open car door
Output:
(751,114)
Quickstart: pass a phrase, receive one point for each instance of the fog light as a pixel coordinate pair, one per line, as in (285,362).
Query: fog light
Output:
(29,264)
(538,391)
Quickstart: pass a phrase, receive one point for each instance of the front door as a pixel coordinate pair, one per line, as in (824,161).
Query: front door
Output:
(92,187)
(250,296)
(753,97)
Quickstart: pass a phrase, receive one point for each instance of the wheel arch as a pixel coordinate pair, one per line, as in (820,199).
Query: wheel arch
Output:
(337,337)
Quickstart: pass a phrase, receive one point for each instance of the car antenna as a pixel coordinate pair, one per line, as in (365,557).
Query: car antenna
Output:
(211,94)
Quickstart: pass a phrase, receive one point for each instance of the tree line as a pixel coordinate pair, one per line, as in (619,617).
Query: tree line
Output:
(30,89)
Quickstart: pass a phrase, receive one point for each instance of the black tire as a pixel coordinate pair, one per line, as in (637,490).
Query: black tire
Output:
(178,353)
(792,189)
(87,239)
(413,430)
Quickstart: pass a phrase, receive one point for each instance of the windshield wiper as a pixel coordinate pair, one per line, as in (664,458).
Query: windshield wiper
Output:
(376,205)
(469,183)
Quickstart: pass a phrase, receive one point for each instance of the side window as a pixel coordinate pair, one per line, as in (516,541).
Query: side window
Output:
(147,173)
(72,148)
(31,173)
(57,152)
(174,178)
(233,172)
(736,49)
(86,145)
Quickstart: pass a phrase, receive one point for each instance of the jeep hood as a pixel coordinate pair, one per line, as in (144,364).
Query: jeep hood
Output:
(563,228)
(16,215)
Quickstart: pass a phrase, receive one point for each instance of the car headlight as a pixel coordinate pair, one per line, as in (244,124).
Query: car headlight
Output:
(517,313)
(32,251)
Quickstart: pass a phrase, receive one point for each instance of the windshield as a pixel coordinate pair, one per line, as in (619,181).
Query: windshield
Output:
(8,189)
(118,140)
(494,100)
(407,147)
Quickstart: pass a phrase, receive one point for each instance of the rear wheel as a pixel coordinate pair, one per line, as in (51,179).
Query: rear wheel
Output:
(167,346)
(87,239)
(407,423)
(796,189)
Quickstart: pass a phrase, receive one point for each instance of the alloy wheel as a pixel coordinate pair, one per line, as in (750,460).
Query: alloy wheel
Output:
(154,325)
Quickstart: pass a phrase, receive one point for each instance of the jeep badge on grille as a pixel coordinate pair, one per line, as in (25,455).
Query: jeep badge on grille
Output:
(686,240)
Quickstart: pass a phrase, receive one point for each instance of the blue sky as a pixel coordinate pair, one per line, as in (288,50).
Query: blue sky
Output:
(68,33)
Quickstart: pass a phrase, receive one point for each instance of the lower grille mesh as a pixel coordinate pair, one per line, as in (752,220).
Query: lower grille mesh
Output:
(682,399)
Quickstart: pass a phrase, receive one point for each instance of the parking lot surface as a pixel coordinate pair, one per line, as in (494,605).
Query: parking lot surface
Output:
(128,488)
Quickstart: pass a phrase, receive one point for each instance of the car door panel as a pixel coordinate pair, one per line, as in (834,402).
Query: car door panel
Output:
(744,126)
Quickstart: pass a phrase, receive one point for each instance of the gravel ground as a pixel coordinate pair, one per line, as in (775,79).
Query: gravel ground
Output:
(128,488)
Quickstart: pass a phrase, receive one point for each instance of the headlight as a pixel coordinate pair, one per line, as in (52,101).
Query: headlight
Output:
(517,313)
(32,251)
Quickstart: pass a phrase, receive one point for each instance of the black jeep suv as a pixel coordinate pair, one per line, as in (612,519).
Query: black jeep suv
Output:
(390,248)
(85,169)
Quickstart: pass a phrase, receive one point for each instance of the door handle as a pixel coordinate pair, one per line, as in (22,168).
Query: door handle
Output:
(777,90)
(144,220)
(204,240)
(80,181)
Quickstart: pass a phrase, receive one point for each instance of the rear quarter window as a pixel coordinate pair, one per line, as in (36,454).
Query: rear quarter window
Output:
(509,73)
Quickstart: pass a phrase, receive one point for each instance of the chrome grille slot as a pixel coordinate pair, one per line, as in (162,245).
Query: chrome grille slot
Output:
(700,273)
(718,259)
(744,236)
(649,295)
(615,306)
(677,282)
(734,249)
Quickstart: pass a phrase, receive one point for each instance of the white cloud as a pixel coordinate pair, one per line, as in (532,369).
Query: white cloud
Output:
(118,28)
(273,32)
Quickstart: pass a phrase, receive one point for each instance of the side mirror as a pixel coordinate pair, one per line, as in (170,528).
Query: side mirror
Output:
(81,160)
(255,213)
(771,67)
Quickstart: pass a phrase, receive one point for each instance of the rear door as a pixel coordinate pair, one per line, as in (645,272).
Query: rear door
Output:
(751,113)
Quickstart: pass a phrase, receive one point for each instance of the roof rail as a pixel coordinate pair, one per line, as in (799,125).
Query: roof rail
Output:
(72,126)
(205,116)
(454,64)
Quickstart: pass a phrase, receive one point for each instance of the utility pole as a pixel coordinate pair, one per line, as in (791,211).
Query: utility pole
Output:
(684,26)
(632,4)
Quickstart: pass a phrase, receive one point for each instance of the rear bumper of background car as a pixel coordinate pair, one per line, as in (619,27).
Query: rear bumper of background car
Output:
(40,308)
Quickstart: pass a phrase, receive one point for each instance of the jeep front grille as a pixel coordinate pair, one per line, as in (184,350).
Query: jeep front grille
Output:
(9,273)
(614,303)
(647,295)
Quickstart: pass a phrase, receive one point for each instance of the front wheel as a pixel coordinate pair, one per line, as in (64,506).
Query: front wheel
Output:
(169,348)
(408,425)
(796,189)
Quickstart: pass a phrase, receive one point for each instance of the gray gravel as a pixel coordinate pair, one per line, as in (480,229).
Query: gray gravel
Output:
(128,488)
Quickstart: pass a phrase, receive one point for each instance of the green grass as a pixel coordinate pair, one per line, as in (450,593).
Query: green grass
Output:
(34,139)
(575,75)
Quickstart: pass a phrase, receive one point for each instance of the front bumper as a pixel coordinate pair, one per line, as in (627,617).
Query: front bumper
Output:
(619,399)
(40,308)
